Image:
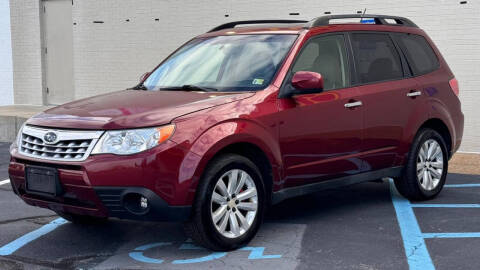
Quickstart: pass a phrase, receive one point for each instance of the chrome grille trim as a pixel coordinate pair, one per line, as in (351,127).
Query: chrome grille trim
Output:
(71,145)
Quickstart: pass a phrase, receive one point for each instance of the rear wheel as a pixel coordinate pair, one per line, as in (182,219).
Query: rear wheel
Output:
(229,204)
(426,169)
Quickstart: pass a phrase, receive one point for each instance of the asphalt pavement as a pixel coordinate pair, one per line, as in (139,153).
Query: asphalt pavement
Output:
(364,226)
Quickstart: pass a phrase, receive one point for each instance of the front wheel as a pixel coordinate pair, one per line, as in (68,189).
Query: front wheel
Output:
(229,204)
(426,169)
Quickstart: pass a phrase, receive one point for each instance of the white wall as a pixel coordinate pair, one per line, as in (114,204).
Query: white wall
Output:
(112,55)
(26,50)
(6,70)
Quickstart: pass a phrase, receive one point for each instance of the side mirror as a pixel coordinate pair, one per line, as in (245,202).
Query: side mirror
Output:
(144,76)
(307,82)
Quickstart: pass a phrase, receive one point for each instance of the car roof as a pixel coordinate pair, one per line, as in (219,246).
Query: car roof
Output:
(320,24)
(259,29)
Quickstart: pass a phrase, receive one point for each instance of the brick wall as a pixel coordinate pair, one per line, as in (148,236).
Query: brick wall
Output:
(26,50)
(6,71)
(112,55)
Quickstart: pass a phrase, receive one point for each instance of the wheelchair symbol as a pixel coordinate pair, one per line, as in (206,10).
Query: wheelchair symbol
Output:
(137,253)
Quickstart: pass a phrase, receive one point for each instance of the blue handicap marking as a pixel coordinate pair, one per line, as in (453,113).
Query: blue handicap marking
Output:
(452,235)
(210,257)
(462,185)
(257,253)
(137,253)
(149,246)
(416,250)
(438,205)
(188,245)
(13,246)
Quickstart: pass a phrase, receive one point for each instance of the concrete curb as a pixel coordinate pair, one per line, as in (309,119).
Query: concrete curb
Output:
(9,126)
(12,118)
(466,163)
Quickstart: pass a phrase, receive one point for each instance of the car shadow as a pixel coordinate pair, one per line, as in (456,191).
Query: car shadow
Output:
(72,245)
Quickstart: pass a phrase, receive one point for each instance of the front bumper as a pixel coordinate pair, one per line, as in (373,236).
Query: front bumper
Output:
(100,185)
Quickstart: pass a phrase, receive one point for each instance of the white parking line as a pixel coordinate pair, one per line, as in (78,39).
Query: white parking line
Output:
(3,182)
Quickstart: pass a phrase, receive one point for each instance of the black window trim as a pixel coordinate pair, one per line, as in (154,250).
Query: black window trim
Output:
(397,38)
(403,62)
(283,93)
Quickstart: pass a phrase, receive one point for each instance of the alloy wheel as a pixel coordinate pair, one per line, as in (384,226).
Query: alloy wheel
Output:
(430,164)
(234,203)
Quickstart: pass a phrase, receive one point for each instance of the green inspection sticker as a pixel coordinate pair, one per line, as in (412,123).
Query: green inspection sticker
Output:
(258,81)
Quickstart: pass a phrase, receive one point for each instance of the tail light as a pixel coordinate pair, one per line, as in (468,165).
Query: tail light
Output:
(454,85)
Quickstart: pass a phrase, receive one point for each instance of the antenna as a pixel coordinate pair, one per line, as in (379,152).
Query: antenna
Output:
(363,14)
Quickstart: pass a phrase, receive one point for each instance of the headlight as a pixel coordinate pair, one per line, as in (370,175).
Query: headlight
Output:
(18,141)
(131,141)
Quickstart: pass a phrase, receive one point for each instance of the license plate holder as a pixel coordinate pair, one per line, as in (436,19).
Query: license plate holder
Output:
(42,181)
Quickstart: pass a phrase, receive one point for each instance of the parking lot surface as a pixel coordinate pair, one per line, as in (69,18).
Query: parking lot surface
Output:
(365,226)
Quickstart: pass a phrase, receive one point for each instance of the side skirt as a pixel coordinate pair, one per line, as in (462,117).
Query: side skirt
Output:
(335,183)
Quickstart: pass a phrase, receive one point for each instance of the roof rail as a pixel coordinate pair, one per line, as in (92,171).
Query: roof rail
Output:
(378,19)
(233,24)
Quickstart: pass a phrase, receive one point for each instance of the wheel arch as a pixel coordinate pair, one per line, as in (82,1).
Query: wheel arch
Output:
(258,157)
(439,126)
(251,141)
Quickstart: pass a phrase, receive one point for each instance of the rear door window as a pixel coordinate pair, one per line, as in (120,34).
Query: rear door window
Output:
(376,58)
(420,55)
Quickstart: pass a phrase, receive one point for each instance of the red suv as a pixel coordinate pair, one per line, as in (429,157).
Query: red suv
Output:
(245,116)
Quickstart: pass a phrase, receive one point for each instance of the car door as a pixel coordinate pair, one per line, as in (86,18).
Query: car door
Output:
(320,134)
(389,95)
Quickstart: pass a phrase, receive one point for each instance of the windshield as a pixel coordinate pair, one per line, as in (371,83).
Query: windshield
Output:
(222,63)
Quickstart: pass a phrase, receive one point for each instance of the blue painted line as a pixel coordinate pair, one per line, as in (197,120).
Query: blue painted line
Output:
(416,251)
(153,245)
(257,253)
(462,185)
(421,205)
(452,235)
(13,246)
(138,255)
(210,257)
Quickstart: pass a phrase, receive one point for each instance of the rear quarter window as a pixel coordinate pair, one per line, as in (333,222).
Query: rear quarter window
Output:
(420,55)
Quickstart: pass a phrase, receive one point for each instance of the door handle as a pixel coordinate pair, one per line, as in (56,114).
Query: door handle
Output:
(414,94)
(353,104)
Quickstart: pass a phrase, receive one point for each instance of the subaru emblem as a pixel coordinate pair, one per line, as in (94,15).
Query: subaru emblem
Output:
(50,137)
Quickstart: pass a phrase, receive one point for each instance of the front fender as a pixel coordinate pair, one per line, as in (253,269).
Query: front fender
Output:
(219,136)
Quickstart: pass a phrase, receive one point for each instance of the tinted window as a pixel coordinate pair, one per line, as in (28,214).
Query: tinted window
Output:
(327,56)
(420,55)
(376,58)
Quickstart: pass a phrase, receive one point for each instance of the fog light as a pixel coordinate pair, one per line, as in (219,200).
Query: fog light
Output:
(136,203)
(143,203)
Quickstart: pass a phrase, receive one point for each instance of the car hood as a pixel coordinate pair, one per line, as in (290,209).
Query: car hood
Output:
(130,109)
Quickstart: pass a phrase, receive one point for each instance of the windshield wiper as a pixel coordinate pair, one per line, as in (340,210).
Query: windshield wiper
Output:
(140,87)
(191,87)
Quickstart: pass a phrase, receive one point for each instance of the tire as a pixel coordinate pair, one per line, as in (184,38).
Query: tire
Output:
(203,229)
(81,219)
(431,182)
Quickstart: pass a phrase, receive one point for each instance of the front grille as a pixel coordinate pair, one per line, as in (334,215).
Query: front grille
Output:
(74,149)
(68,145)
